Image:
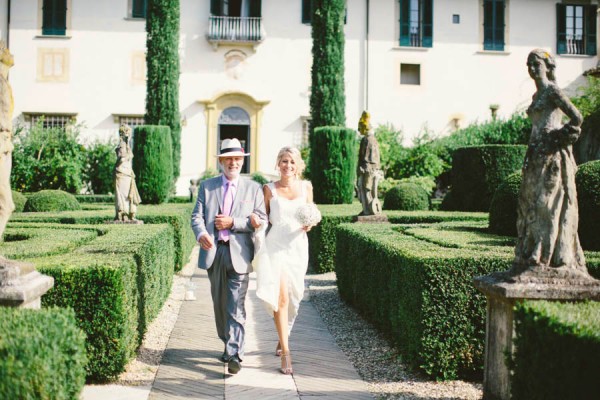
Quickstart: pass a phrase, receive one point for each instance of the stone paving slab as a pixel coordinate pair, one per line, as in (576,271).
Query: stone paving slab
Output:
(190,368)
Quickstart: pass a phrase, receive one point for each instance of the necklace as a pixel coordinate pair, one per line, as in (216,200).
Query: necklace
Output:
(281,185)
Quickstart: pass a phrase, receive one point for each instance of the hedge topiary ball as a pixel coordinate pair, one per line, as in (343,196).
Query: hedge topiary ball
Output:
(406,196)
(587,180)
(503,210)
(19,199)
(51,200)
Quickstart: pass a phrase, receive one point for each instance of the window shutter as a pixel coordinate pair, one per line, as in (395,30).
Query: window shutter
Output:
(255,8)
(404,23)
(216,8)
(138,9)
(427,23)
(561,29)
(306,11)
(590,30)
(499,25)
(54,19)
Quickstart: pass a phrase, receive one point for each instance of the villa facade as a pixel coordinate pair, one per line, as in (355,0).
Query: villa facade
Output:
(246,65)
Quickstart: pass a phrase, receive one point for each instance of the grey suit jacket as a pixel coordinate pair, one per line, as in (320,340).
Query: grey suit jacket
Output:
(248,199)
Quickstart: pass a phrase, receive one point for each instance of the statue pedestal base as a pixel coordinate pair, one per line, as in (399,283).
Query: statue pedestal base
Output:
(21,285)
(379,218)
(126,222)
(502,295)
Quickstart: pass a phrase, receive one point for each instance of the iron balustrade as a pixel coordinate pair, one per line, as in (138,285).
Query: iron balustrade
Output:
(235,29)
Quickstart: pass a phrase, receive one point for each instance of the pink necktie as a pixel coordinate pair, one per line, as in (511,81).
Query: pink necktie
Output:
(227,203)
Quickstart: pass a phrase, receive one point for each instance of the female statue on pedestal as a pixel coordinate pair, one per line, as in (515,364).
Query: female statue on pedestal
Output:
(547,212)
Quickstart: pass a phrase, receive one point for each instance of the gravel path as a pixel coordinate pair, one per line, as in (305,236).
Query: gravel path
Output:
(375,360)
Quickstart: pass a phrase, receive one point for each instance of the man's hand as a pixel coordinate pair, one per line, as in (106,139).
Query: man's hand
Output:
(223,221)
(206,241)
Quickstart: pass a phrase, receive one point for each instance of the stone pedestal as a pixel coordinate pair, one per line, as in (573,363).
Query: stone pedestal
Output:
(502,295)
(126,222)
(379,218)
(21,285)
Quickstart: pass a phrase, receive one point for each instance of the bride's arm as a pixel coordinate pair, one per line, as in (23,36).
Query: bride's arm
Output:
(309,191)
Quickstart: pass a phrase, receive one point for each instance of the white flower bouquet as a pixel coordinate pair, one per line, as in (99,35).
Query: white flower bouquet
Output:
(308,215)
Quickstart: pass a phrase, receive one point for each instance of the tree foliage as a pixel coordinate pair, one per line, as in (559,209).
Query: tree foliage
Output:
(333,169)
(152,163)
(101,160)
(162,84)
(47,158)
(327,99)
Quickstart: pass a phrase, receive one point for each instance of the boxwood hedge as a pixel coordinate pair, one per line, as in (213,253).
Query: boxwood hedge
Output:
(116,282)
(414,282)
(42,354)
(557,352)
(177,215)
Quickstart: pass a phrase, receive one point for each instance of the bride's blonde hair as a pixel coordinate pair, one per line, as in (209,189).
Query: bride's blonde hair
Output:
(296,156)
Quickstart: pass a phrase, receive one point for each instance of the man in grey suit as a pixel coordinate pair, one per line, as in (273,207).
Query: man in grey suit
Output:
(221,223)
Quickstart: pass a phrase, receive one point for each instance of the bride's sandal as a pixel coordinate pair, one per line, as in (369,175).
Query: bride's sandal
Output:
(278,349)
(286,364)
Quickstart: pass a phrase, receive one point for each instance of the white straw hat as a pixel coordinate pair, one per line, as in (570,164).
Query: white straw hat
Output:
(232,148)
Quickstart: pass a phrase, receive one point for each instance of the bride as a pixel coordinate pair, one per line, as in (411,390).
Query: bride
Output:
(282,262)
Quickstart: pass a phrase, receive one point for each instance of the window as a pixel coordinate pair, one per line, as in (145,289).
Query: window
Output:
(307,11)
(235,8)
(138,8)
(53,65)
(416,23)
(410,74)
(493,25)
(50,120)
(54,17)
(576,29)
(131,120)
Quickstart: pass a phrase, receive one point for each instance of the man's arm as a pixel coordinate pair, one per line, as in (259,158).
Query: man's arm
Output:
(198,218)
(243,224)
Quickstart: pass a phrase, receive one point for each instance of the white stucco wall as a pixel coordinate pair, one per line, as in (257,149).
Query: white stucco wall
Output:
(457,78)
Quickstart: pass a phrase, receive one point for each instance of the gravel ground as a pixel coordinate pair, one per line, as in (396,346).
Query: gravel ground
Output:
(375,360)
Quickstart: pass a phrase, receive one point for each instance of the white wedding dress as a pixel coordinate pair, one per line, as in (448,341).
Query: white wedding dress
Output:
(285,251)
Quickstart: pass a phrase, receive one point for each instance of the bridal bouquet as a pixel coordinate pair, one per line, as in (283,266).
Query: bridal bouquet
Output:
(308,215)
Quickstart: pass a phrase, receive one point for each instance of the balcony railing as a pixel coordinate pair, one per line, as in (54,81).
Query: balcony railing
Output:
(235,30)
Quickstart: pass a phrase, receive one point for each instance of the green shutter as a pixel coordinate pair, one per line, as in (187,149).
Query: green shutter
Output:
(216,8)
(427,23)
(561,29)
(493,25)
(138,9)
(255,8)
(54,17)
(404,22)
(306,11)
(590,30)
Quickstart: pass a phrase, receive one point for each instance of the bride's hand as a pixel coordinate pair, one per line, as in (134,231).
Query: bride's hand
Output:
(255,221)
(306,228)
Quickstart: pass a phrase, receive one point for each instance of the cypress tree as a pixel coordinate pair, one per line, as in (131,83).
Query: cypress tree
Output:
(153,163)
(334,165)
(162,59)
(327,99)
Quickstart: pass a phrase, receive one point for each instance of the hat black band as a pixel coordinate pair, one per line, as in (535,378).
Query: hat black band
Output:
(232,149)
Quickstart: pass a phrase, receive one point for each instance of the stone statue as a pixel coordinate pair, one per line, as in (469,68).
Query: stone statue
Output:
(6,146)
(127,197)
(193,188)
(548,244)
(369,168)
(20,284)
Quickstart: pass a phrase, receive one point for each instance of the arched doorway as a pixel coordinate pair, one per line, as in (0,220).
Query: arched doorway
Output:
(214,108)
(234,123)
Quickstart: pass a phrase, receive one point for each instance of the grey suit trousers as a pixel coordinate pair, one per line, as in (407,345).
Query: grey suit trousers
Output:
(228,290)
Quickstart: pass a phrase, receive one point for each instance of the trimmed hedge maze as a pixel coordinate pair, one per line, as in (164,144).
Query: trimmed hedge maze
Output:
(414,282)
(115,277)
